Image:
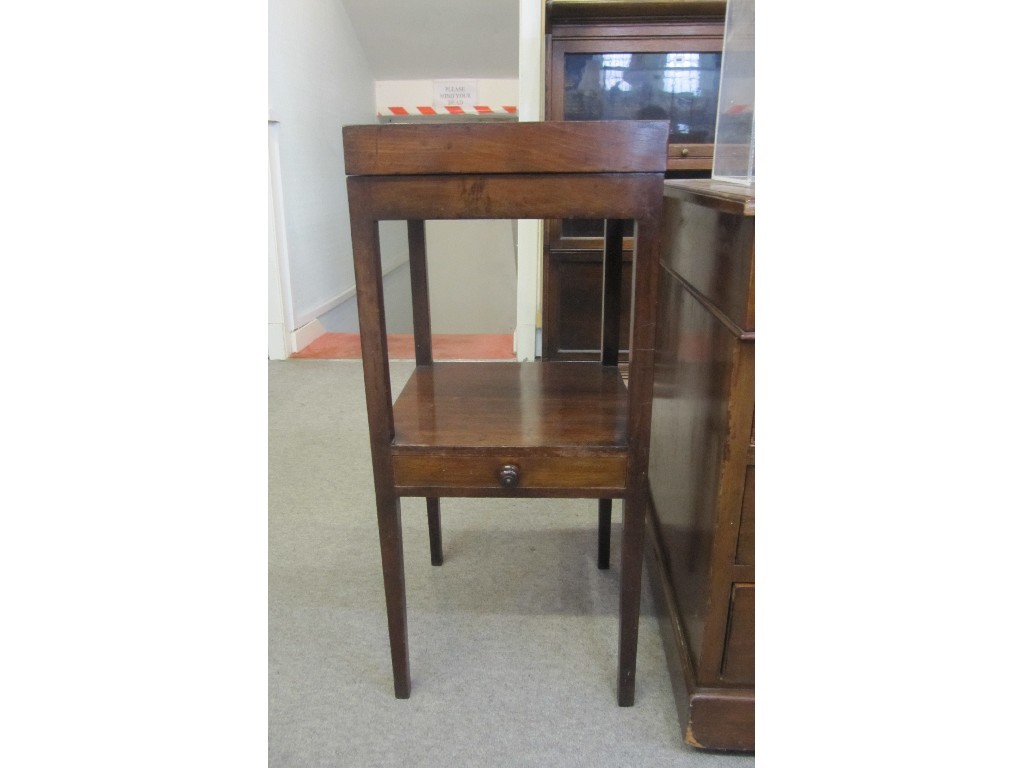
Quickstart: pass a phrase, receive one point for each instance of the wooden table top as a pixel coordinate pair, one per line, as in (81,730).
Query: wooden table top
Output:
(728,196)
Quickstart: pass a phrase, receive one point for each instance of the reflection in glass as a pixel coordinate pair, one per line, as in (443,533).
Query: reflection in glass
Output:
(679,87)
(590,228)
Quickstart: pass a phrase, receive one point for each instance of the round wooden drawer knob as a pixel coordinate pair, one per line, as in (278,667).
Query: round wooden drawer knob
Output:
(684,152)
(509,476)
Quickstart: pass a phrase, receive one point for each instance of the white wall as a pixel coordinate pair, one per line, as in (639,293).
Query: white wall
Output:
(394,261)
(495,93)
(471,272)
(471,269)
(319,80)
(438,38)
(471,264)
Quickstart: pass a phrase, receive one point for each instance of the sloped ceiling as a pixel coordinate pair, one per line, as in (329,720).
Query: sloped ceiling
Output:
(433,39)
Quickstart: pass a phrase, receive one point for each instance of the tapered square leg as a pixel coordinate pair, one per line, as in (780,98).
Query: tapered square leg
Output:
(434,528)
(633,514)
(604,532)
(389,521)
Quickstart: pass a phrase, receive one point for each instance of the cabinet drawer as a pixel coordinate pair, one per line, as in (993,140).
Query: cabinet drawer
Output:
(690,150)
(738,656)
(512,474)
(713,251)
(690,157)
(745,538)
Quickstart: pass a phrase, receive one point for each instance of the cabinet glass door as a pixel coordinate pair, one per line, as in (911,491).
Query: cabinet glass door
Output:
(679,87)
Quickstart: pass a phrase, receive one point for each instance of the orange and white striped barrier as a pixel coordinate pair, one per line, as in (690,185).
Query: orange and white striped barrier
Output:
(478,110)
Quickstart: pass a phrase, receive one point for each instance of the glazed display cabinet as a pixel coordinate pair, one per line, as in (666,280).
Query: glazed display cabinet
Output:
(622,61)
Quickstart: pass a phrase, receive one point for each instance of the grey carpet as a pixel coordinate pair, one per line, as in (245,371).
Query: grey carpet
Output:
(513,640)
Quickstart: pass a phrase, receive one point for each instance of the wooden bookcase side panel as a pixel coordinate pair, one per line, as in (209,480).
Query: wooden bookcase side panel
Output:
(702,465)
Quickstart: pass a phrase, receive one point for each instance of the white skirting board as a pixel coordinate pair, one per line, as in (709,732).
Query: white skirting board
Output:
(306,335)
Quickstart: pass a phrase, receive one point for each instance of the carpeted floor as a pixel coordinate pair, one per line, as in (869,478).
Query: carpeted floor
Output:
(513,640)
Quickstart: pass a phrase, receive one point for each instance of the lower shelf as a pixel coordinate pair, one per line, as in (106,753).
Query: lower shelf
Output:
(556,429)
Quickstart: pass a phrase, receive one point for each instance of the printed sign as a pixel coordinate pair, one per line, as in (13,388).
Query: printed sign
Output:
(455,93)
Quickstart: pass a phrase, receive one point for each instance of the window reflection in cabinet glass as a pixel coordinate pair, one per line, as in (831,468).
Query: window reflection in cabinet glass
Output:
(679,87)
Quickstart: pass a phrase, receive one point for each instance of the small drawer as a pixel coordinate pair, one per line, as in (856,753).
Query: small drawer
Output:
(690,150)
(508,474)
(690,157)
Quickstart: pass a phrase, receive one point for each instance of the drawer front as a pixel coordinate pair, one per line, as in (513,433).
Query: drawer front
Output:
(713,251)
(691,150)
(745,539)
(509,474)
(738,657)
(690,157)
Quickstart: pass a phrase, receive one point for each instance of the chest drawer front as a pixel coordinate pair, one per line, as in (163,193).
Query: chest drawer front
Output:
(738,658)
(508,474)
(713,251)
(745,539)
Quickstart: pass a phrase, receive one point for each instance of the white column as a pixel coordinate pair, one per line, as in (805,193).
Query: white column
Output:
(531,106)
